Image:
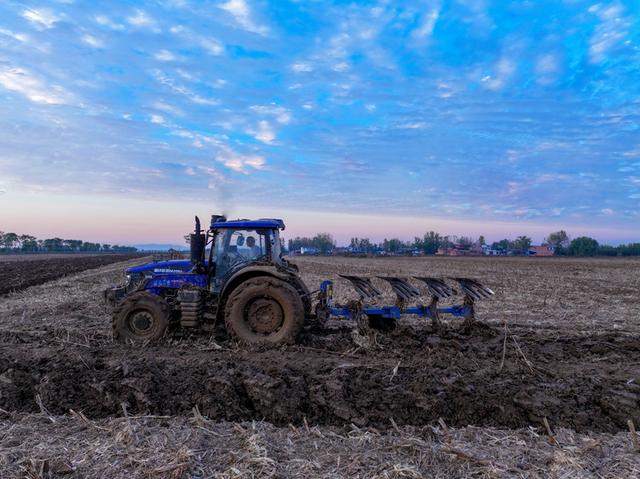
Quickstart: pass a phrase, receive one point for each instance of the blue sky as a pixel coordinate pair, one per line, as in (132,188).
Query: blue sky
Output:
(468,111)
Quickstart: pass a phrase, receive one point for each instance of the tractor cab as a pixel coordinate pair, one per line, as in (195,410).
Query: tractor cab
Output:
(235,244)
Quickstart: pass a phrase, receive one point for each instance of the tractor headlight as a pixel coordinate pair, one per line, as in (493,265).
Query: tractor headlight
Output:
(133,280)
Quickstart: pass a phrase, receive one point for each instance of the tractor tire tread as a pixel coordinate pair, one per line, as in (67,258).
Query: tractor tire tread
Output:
(293,322)
(132,301)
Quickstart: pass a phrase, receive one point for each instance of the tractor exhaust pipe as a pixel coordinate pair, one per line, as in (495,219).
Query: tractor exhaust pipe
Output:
(197,244)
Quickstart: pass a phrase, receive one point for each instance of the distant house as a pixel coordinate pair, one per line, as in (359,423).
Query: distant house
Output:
(542,250)
(309,250)
(459,250)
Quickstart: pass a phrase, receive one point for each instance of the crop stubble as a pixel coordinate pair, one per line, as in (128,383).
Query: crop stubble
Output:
(571,355)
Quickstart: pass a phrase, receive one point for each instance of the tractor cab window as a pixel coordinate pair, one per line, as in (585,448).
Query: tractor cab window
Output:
(236,247)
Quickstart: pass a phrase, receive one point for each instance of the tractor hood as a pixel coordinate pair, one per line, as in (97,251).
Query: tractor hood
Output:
(173,266)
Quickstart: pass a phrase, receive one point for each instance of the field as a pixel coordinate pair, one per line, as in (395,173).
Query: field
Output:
(561,345)
(21,271)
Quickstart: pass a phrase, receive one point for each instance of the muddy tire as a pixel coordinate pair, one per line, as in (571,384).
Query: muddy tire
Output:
(264,310)
(141,317)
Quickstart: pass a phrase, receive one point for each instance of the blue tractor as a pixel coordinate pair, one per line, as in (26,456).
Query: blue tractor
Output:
(245,284)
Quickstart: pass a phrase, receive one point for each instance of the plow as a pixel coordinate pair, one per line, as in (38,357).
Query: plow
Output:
(238,278)
(368,312)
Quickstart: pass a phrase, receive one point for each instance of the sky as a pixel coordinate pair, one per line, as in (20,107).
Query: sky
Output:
(121,120)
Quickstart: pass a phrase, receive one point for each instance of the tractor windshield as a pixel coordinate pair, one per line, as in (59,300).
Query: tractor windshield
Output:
(238,246)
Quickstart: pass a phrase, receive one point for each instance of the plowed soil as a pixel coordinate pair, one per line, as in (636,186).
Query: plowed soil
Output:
(21,271)
(411,377)
(569,361)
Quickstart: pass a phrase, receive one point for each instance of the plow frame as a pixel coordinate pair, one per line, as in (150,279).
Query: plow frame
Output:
(354,309)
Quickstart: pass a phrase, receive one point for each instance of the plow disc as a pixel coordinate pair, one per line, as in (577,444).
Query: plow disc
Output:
(407,300)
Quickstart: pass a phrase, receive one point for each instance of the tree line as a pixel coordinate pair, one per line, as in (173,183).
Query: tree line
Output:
(22,243)
(559,242)
(586,246)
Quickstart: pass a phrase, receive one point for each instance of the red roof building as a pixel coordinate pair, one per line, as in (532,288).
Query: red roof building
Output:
(542,250)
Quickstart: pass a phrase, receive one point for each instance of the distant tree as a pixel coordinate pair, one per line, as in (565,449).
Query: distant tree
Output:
(52,244)
(606,250)
(482,241)
(73,245)
(361,245)
(431,242)
(324,242)
(418,243)
(465,241)
(87,246)
(123,249)
(10,241)
(366,245)
(631,249)
(583,246)
(29,243)
(521,245)
(559,240)
(502,245)
(106,248)
(393,245)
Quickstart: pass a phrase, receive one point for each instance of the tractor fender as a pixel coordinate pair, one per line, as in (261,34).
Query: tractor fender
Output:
(264,270)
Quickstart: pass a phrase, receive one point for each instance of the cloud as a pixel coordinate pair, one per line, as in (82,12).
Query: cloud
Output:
(213,173)
(281,114)
(141,19)
(607,211)
(182,90)
(20,37)
(165,56)
(242,15)
(23,82)
(610,32)
(413,125)
(264,132)
(212,46)
(341,67)
(26,39)
(240,163)
(427,24)
(301,67)
(162,106)
(547,68)
(504,70)
(157,119)
(92,41)
(107,22)
(42,18)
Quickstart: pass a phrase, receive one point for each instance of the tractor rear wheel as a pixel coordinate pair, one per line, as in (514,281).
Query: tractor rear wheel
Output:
(141,317)
(264,310)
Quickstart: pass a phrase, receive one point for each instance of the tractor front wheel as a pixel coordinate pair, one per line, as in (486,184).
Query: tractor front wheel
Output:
(141,317)
(264,310)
